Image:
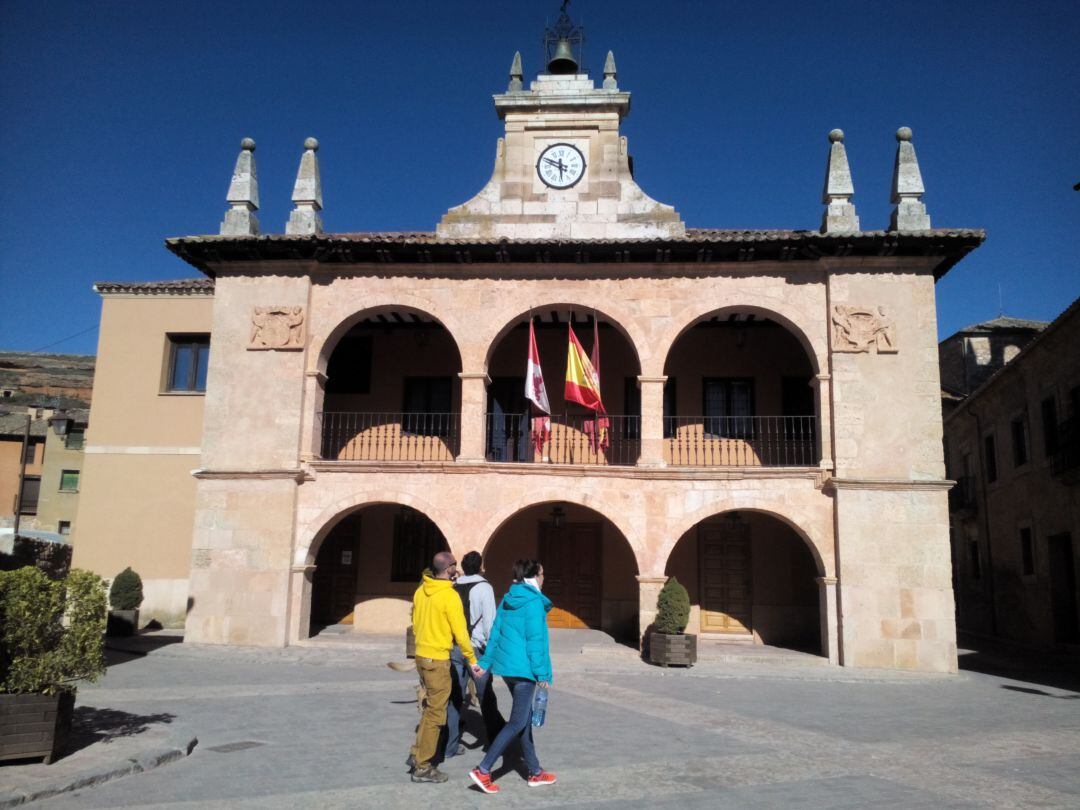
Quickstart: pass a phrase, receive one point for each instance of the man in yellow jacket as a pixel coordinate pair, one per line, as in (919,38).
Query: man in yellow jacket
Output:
(438,622)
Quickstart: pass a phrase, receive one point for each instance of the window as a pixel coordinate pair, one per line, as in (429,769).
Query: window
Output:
(188,358)
(69,481)
(64,527)
(990,458)
(30,490)
(1018,427)
(1027,553)
(416,541)
(976,564)
(427,406)
(75,439)
(1049,426)
(728,407)
(30,456)
(349,369)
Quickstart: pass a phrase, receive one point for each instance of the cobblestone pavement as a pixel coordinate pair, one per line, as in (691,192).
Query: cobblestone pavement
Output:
(329,726)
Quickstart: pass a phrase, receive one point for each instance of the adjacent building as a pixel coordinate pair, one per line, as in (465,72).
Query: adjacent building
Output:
(1013,447)
(283,442)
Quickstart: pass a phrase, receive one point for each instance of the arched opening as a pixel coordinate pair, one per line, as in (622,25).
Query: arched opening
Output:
(575,434)
(367,568)
(740,392)
(392,390)
(590,571)
(751,577)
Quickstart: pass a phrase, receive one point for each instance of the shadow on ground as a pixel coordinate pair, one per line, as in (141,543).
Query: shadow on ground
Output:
(1055,671)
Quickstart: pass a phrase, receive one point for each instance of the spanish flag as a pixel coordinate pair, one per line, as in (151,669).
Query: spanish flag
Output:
(582,381)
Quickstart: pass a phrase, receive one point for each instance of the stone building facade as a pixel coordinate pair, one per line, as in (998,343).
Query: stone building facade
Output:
(1013,447)
(772,433)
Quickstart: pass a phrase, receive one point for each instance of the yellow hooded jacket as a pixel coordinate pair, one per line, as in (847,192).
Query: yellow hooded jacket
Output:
(439,620)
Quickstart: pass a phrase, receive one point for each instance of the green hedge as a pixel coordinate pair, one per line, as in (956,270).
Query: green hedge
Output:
(672,608)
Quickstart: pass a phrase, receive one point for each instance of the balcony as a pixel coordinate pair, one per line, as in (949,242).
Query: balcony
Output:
(962,496)
(349,436)
(612,440)
(740,441)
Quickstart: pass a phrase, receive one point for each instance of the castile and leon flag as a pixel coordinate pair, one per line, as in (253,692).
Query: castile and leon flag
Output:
(536,393)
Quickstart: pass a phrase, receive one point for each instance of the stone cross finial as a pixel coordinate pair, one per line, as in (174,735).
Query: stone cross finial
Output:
(516,74)
(907,187)
(307,194)
(243,196)
(840,215)
(609,72)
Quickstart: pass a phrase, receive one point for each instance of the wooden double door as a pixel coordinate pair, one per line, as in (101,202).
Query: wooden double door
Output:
(333,591)
(726,585)
(572,574)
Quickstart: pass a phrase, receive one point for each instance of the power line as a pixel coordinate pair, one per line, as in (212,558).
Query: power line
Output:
(69,337)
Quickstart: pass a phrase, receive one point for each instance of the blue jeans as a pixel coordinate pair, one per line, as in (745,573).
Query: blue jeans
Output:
(518,727)
(485,692)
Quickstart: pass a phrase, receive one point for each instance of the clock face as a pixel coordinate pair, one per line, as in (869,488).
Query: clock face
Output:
(560,165)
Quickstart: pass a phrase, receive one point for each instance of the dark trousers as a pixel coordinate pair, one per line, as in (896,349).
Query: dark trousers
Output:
(485,692)
(518,727)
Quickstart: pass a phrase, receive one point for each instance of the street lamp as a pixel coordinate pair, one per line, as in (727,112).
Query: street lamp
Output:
(60,422)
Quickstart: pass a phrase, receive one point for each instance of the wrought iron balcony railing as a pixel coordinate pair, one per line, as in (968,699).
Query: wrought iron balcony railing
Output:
(350,436)
(571,439)
(740,441)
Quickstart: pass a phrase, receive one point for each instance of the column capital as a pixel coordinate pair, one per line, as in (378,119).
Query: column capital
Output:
(319,376)
(651,580)
(827,581)
(644,379)
(475,375)
(823,377)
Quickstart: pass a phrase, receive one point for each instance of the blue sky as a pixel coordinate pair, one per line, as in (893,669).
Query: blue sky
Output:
(122,121)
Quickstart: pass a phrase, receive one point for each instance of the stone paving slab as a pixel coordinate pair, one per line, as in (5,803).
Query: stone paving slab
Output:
(330,726)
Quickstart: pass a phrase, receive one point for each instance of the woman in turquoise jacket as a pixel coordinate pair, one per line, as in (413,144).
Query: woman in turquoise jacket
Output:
(517,650)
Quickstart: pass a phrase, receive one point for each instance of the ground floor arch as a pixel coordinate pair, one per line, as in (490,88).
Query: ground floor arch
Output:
(751,577)
(366,567)
(590,568)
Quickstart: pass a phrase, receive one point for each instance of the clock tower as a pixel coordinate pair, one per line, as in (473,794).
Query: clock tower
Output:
(562,170)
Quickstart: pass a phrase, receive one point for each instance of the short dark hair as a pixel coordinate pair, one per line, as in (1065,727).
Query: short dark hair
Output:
(526,569)
(441,561)
(471,563)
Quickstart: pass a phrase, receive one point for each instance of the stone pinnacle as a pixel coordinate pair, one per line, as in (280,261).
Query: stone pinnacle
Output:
(609,72)
(839,216)
(307,194)
(516,74)
(907,187)
(243,195)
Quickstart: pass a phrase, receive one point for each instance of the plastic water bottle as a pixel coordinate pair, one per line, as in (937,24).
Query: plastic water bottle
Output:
(539,707)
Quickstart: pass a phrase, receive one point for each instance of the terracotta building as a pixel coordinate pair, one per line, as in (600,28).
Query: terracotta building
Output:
(1013,447)
(352,402)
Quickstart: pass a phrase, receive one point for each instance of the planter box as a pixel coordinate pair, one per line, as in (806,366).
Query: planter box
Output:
(410,642)
(122,622)
(680,650)
(35,725)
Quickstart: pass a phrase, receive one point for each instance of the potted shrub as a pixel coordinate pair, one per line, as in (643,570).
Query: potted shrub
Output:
(50,635)
(668,644)
(125,596)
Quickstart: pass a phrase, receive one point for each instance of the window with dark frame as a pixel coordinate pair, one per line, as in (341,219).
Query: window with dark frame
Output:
(1027,553)
(30,457)
(189,356)
(416,541)
(69,481)
(31,490)
(63,527)
(75,439)
(990,458)
(1048,409)
(426,410)
(1018,427)
(728,407)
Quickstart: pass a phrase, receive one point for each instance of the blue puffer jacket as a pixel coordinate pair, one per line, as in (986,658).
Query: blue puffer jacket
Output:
(518,644)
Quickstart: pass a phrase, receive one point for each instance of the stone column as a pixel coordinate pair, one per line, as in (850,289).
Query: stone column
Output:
(830,637)
(300,577)
(823,400)
(311,421)
(648,593)
(473,400)
(652,422)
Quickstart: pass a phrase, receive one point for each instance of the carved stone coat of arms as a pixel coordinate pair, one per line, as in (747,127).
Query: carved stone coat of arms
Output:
(277,328)
(858,329)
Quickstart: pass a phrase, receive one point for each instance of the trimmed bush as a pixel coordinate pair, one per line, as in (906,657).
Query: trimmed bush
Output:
(38,653)
(672,608)
(52,558)
(126,591)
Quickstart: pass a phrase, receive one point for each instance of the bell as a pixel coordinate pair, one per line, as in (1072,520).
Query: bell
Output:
(563,61)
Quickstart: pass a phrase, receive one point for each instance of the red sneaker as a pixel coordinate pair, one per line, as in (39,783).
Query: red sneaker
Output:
(542,778)
(483,781)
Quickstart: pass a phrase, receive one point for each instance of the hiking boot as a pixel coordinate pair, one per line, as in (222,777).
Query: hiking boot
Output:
(483,781)
(429,774)
(542,778)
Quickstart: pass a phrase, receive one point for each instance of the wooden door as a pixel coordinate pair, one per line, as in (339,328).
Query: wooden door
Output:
(724,562)
(572,574)
(333,597)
